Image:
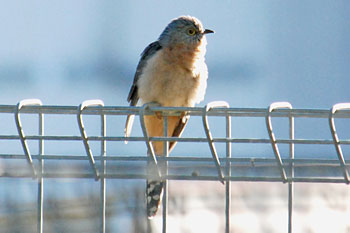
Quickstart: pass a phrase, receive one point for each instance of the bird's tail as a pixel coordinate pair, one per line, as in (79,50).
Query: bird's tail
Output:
(154,193)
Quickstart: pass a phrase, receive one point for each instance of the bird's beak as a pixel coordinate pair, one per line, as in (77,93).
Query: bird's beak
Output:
(207,31)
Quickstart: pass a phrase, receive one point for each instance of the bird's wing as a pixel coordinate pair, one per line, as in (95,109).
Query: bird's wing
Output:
(133,97)
(154,125)
(178,130)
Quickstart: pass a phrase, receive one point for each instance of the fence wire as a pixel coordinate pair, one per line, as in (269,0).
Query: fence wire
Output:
(214,167)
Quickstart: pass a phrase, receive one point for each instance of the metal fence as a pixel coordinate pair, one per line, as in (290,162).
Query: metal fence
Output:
(225,168)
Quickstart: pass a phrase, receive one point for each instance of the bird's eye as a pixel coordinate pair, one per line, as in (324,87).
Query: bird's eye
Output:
(191,32)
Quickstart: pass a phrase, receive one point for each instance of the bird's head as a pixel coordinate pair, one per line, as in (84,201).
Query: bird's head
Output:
(185,30)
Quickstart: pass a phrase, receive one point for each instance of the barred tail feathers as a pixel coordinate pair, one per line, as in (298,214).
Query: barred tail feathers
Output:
(154,193)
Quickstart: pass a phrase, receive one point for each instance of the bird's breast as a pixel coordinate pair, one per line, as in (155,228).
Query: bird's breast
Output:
(171,82)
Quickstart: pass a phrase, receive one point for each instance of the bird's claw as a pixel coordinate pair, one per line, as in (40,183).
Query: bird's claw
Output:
(158,114)
(154,104)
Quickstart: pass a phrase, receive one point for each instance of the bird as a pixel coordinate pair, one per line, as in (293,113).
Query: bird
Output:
(171,73)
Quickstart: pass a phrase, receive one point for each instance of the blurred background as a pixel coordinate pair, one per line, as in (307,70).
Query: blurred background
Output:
(65,52)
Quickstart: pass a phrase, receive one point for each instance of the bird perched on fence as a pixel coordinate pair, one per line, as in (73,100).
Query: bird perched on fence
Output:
(171,72)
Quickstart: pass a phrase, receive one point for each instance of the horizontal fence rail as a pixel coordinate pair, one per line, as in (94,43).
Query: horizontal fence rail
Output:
(333,168)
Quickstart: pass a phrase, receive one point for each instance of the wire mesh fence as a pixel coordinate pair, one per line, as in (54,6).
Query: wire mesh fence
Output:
(100,164)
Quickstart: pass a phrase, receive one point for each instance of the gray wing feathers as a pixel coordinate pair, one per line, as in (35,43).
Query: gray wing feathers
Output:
(133,97)
(178,130)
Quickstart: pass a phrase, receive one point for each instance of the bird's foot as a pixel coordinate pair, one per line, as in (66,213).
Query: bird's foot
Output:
(154,104)
(159,115)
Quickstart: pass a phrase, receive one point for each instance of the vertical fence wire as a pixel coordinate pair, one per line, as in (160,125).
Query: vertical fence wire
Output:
(40,215)
(164,174)
(103,178)
(291,170)
(228,174)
